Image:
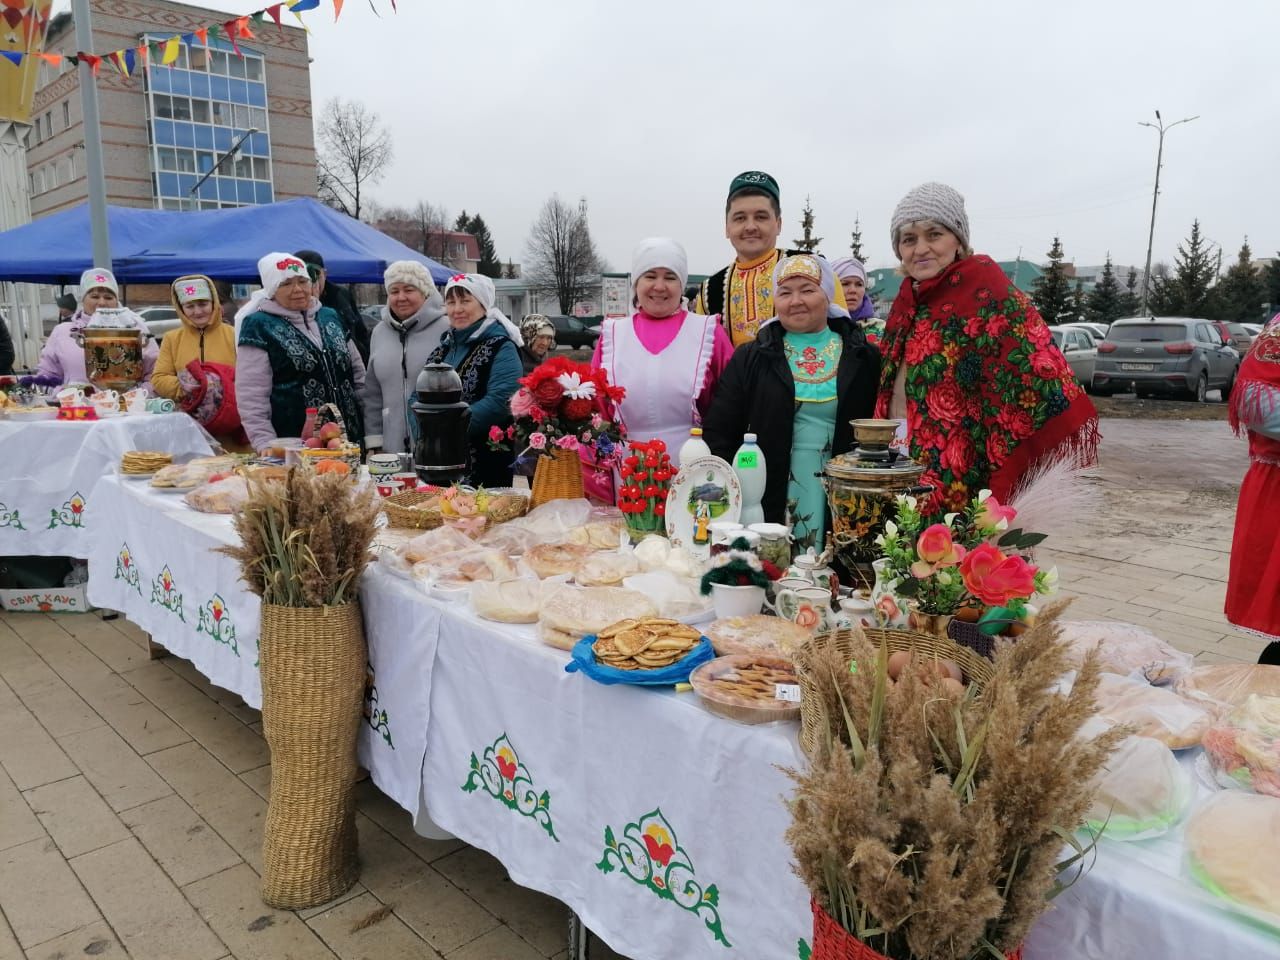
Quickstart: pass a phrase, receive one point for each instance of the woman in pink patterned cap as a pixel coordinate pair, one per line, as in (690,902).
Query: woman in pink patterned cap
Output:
(63,357)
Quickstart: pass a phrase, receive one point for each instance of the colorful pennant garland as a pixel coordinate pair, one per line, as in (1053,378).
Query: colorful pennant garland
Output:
(166,51)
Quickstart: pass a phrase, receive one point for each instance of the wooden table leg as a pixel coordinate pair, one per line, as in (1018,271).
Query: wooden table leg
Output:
(154,650)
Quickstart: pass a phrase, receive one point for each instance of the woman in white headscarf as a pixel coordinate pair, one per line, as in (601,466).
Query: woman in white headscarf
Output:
(62,358)
(666,358)
(483,346)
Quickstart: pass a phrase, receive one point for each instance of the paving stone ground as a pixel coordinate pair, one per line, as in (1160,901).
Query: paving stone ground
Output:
(132,792)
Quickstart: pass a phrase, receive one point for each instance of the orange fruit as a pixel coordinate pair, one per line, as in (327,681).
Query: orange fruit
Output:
(339,467)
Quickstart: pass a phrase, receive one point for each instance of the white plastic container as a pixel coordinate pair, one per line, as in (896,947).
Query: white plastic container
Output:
(695,446)
(749,465)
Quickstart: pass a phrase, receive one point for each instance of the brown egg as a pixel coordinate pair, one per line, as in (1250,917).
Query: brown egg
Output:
(952,688)
(1017,629)
(968,614)
(897,661)
(949,668)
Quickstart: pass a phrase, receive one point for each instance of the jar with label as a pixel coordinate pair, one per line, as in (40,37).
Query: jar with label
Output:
(775,543)
(721,533)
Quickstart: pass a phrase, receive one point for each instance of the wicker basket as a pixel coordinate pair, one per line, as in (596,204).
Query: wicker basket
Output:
(833,942)
(558,476)
(313,662)
(400,512)
(813,712)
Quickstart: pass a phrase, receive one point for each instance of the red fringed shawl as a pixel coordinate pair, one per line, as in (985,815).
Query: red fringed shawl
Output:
(989,395)
(1257,390)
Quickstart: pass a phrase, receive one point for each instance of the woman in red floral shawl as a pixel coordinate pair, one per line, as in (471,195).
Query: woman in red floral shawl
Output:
(970,365)
(1253,584)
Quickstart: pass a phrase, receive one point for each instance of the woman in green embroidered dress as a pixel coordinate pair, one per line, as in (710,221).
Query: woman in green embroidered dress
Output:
(808,373)
(292,354)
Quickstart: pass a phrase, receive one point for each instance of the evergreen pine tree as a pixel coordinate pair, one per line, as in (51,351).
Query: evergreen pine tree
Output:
(1271,279)
(855,245)
(1130,300)
(1051,293)
(1242,291)
(509,271)
(1079,303)
(810,243)
(463,223)
(1104,300)
(1186,293)
(490,265)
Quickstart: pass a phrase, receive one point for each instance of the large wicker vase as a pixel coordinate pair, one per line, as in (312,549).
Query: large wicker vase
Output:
(313,673)
(833,942)
(558,476)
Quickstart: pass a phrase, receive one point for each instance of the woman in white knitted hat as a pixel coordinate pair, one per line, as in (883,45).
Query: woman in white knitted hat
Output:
(62,357)
(969,364)
(666,358)
(412,324)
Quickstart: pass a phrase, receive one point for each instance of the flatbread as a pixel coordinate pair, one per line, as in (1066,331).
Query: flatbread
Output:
(756,633)
(555,559)
(583,610)
(1141,793)
(1233,843)
(507,601)
(1230,683)
(1153,711)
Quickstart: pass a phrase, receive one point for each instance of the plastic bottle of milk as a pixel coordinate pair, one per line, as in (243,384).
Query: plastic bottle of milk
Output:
(748,464)
(695,446)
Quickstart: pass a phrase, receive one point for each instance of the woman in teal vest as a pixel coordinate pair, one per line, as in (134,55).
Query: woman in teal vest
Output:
(293,354)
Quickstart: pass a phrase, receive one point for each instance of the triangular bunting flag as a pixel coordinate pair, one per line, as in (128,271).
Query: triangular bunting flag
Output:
(13,56)
(230,29)
(337,10)
(242,29)
(130,62)
(203,35)
(301,6)
(141,53)
(73,59)
(171,48)
(93,62)
(117,60)
(53,59)
(273,12)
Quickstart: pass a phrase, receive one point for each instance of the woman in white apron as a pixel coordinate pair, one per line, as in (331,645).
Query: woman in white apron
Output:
(666,358)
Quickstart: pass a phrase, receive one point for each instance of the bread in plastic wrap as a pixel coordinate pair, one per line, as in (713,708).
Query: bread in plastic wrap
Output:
(1243,747)
(578,611)
(1142,792)
(1233,849)
(507,601)
(434,543)
(557,559)
(466,566)
(1229,684)
(509,539)
(1153,712)
(607,568)
(756,633)
(1125,649)
(555,519)
(677,598)
(227,495)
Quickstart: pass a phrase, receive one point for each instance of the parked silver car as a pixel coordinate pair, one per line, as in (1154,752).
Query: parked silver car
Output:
(1081,350)
(1179,356)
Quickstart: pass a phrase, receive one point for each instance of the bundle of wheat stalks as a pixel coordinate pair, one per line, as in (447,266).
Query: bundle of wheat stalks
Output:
(932,827)
(304,542)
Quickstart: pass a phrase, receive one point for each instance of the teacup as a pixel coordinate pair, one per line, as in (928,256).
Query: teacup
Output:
(808,607)
(70,397)
(409,479)
(388,487)
(161,405)
(384,465)
(858,611)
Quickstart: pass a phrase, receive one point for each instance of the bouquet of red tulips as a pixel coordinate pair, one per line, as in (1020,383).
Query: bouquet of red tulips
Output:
(646,480)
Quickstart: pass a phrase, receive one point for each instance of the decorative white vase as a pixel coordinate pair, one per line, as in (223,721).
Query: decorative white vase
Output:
(731,601)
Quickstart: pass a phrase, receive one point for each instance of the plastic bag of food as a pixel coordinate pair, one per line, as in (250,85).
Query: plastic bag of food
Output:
(556,559)
(678,598)
(605,529)
(465,566)
(1229,684)
(570,613)
(1233,849)
(1153,711)
(1243,748)
(1125,649)
(555,519)
(507,601)
(1141,793)
(509,539)
(434,543)
(652,552)
(222,496)
(607,569)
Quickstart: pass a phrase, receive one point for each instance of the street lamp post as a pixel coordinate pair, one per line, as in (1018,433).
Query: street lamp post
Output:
(222,159)
(1159,126)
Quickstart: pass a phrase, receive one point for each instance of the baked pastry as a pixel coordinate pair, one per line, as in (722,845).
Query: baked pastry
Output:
(556,559)
(223,496)
(648,643)
(1141,793)
(467,566)
(748,686)
(598,535)
(606,569)
(1243,748)
(144,461)
(1125,649)
(756,633)
(1152,711)
(434,543)
(1229,684)
(1233,847)
(507,601)
(571,613)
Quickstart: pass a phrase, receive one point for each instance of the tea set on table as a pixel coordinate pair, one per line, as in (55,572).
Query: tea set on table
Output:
(75,404)
(807,590)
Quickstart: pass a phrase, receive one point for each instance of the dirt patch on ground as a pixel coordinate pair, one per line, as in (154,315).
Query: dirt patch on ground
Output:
(1129,407)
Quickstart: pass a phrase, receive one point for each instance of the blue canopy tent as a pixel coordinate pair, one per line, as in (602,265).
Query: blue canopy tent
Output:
(156,246)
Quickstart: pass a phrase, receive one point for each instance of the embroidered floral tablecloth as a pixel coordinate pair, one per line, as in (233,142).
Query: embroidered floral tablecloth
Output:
(48,470)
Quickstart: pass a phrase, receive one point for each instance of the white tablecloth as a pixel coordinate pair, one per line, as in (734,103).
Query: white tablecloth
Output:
(48,469)
(659,823)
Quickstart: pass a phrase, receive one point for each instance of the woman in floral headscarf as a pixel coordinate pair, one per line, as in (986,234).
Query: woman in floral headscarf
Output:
(1253,584)
(969,364)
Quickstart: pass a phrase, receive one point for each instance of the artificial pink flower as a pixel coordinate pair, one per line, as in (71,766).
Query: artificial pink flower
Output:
(522,402)
(495,434)
(992,514)
(936,550)
(537,440)
(994,578)
(567,442)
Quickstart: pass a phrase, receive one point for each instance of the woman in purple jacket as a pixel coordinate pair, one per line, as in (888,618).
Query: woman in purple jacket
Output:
(63,356)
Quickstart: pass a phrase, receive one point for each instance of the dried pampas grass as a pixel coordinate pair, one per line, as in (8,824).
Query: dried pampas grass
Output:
(304,543)
(931,827)
(1053,497)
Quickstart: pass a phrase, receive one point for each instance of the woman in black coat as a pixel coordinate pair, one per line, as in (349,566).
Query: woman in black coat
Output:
(808,373)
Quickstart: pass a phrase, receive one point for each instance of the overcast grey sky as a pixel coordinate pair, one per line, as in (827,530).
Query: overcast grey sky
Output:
(1030,109)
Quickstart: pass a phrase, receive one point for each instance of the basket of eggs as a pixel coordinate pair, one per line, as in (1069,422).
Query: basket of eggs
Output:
(328,449)
(954,668)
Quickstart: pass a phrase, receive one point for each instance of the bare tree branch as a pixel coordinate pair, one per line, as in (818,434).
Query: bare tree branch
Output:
(562,256)
(353,149)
